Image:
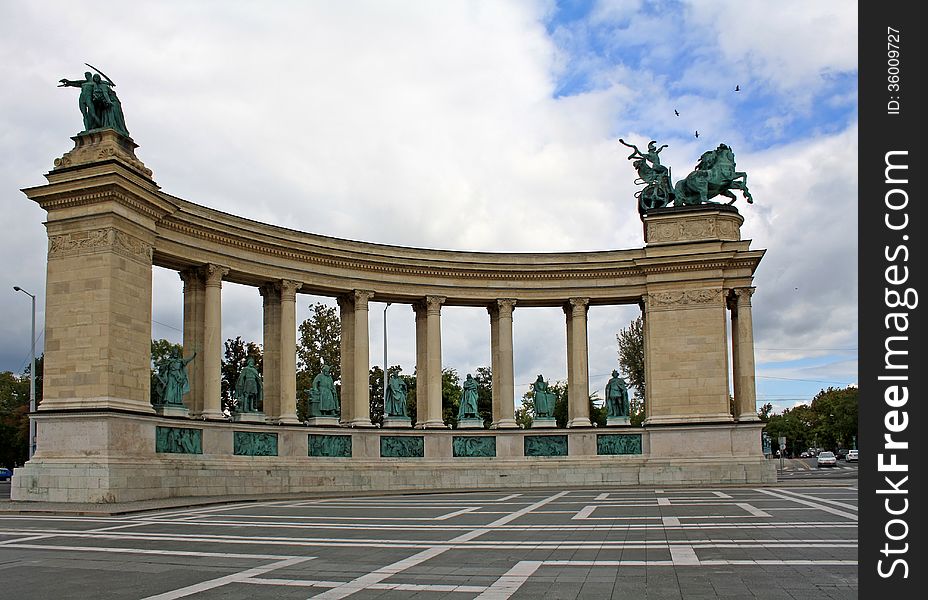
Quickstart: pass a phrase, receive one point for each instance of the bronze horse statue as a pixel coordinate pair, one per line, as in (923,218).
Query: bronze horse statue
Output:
(714,175)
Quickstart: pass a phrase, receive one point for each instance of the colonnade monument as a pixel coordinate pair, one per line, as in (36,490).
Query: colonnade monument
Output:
(100,439)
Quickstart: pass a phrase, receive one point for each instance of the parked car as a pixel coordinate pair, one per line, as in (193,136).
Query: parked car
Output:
(805,454)
(826,459)
(841,454)
(5,474)
(851,456)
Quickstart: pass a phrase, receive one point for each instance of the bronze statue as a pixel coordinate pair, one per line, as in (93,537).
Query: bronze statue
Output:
(616,396)
(544,398)
(98,103)
(249,388)
(714,175)
(658,191)
(323,399)
(394,398)
(172,379)
(468,408)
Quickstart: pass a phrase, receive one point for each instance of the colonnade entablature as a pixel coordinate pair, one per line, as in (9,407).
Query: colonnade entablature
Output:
(109,224)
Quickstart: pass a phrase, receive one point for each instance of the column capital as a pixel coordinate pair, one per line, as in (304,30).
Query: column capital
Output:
(288,288)
(505,306)
(576,307)
(190,276)
(214,273)
(433,304)
(270,291)
(345,302)
(361,298)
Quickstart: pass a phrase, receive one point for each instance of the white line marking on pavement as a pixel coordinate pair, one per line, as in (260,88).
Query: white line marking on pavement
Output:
(670,521)
(585,512)
(683,555)
(504,498)
(663,501)
(721,494)
(818,499)
(25,539)
(511,581)
(456,513)
(602,496)
(817,505)
(382,573)
(221,581)
(158,552)
(752,509)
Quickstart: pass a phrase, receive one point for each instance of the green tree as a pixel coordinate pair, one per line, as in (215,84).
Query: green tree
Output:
(319,344)
(835,417)
(764,413)
(631,362)
(236,355)
(161,350)
(14,413)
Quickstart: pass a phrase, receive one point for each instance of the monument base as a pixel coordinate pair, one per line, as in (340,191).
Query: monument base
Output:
(171,410)
(249,417)
(618,422)
(544,423)
(396,423)
(107,456)
(470,423)
(324,421)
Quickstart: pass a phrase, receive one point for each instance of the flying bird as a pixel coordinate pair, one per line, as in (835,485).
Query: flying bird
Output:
(737,88)
(697,133)
(676,112)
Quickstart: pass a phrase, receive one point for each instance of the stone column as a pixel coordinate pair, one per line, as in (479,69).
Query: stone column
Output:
(501,357)
(271,374)
(194,341)
(432,409)
(578,369)
(212,346)
(361,363)
(742,336)
(346,354)
(643,306)
(422,364)
(288,351)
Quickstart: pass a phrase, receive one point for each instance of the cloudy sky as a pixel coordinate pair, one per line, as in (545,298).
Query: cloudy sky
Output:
(486,126)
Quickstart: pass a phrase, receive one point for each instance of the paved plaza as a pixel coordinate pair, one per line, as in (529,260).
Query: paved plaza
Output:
(790,542)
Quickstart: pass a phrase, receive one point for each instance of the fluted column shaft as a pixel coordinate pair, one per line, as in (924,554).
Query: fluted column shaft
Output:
(743,356)
(432,417)
(212,346)
(288,291)
(270,294)
(194,319)
(361,361)
(578,370)
(502,364)
(346,355)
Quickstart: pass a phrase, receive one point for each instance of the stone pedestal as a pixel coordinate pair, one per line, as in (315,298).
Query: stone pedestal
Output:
(397,423)
(618,422)
(170,410)
(544,423)
(249,417)
(322,421)
(470,424)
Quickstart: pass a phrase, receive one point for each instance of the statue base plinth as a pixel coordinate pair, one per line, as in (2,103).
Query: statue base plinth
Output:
(99,145)
(618,422)
(249,417)
(396,423)
(322,421)
(172,410)
(470,424)
(696,223)
(544,423)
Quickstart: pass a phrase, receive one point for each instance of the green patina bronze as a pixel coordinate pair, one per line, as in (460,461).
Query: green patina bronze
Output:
(616,396)
(178,440)
(331,446)
(609,444)
(394,403)
(249,389)
(401,446)
(254,443)
(545,445)
(172,382)
(543,397)
(323,397)
(473,446)
(98,103)
(468,409)
(714,175)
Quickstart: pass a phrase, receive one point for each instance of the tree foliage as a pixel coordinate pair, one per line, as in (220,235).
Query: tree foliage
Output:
(235,356)
(631,363)
(319,344)
(14,413)
(829,422)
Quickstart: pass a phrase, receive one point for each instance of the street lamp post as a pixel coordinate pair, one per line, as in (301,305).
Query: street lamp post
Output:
(385,350)
(31,377)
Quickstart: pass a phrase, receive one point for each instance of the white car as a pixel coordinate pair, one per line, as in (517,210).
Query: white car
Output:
(826,459)
(851,456)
